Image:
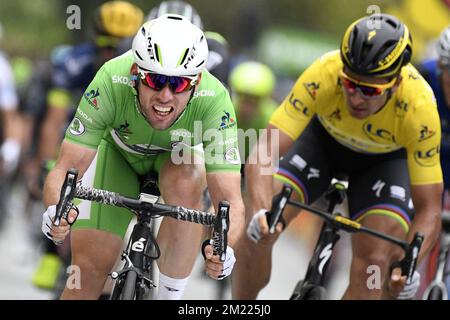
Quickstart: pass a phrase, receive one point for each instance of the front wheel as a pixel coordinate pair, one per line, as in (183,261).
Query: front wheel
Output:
(436,292)
(308,292)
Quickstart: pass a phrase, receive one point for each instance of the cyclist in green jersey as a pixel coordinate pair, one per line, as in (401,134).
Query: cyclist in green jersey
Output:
(155,108)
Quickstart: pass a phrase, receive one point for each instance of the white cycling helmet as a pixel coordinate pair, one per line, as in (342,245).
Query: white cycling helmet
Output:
(444,45)
(170,45)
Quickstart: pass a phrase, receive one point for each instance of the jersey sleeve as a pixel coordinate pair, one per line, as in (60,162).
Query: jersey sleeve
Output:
(220,135)
(95,112)
(423,132)
(298,108)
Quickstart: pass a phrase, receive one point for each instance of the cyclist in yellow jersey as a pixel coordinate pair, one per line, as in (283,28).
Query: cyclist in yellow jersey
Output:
(366,113)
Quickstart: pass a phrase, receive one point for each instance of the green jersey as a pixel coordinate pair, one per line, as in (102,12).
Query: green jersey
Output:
(109,110)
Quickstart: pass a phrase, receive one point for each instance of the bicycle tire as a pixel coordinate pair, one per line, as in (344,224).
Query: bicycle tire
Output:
(435,294)
(315,293)
(310,292)
(129,288)
(117,290)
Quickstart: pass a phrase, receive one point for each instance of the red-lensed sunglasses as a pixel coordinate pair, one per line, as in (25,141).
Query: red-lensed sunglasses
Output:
(157,82)
(367,90)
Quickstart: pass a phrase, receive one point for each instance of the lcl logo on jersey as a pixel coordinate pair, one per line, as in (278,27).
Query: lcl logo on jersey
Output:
(298,105)
(427,158)
(375,134)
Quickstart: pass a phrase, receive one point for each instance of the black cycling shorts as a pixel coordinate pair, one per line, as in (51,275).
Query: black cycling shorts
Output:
(378,183)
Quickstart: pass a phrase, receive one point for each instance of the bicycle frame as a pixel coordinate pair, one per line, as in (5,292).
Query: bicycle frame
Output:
(329,236)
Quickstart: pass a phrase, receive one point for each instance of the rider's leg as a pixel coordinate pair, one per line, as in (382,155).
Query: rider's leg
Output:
(94,253)
(372,259)
(179,241)
(379,197)
(96,236)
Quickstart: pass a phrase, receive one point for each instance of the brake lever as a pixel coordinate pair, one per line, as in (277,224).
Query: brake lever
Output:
(278,204)
(409,262)
(220,230)
(67,194)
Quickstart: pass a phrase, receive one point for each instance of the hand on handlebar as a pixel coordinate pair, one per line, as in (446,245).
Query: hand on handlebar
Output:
(258,228)
(398,286)
(215,268)
(57,233)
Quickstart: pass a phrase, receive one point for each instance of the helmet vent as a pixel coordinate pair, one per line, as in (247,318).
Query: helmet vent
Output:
(138,55)
(200,64)
(184,57)
(393,24)
(156,48)
(174,18)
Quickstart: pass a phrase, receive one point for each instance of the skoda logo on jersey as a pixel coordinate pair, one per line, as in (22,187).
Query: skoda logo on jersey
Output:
(427,158)
(77,127)
(377,134)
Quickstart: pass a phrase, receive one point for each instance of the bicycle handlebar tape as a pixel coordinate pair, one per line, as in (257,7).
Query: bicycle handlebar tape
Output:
(278,204)
(220,230)
(66,196)
(409,263)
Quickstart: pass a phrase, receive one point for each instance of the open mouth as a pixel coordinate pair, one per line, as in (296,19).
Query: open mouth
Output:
(358,109)
(162,111)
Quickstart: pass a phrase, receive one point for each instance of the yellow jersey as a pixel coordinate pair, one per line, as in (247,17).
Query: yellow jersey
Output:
(409,119)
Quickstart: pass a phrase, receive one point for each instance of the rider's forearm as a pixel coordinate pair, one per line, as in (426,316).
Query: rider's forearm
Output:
(429,224)
(52,186)
(260,186)
(237,220)
(259,175)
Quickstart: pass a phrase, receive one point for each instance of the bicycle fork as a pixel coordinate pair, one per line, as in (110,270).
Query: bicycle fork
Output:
(134,257)
(318,265)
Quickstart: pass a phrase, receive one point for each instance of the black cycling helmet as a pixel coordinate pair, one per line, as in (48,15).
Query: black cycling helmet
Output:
(378,45)
(177,7)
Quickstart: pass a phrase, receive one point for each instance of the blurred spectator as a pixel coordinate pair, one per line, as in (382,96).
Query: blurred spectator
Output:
(252,84)
(10,135)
